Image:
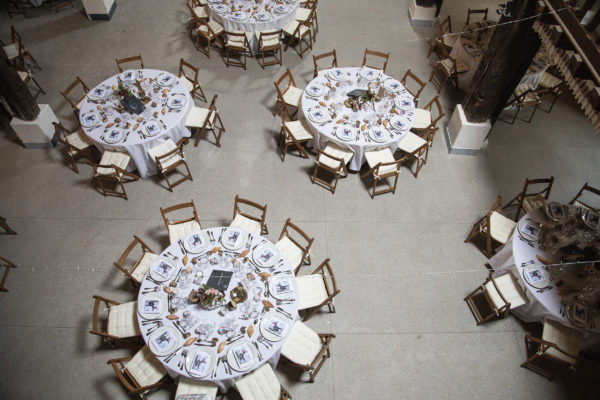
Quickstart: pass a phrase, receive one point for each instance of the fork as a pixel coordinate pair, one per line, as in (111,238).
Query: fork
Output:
(182,360)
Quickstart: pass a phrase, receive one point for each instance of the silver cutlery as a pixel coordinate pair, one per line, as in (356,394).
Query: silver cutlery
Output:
(170,356)
(182,360)
(283,312)
(258,351)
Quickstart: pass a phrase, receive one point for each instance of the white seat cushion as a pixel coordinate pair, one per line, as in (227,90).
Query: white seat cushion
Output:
(311,291)
(261,384)
(145,368)
(179,231)
(143,266)
(411,142)
(194,386)
(122,320)
(299,130)
(549,81)
(164,148)
(289,250)
(290,28)
(302,345)
(375,157)
(535,202)
(567,339)
(188,84)
(501,228)
(509,289)
(246,224)
(216,27)
(338,151)
(79,140)
(302,14)
(197,116)
(292,96)
(461,65)
(111,157)
(269,41)
(201,12)
(236,41)
(12,50)
(422,119)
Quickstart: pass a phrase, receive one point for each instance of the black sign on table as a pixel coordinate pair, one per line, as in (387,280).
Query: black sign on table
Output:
(219,279)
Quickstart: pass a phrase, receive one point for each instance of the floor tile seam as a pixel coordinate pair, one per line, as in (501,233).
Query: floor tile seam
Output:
(406,333)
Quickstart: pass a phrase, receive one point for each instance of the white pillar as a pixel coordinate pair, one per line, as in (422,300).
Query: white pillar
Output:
(464,137)
(421,16)
(99,9)
(38,133)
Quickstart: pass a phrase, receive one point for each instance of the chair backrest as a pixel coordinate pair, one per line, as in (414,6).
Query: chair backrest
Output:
(96,329)
(15,36)
(194,3)
(61,133)
(212,110)
(281,89)
(310,3)
(188,71)
(483,12)
(145,361)
(445,26)
(413,84)
(326,271)
(372,54)
(121,263)
(330,54)
(542,187)
(121,61)
(269,35)
(236,40)
(295,234)
(75,100)
(191,5)
(485,221)
(190,208)
(244,207)
(436,110)
(586,201)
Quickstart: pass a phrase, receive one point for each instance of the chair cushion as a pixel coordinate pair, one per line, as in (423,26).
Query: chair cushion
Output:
(411,142)
(299,130)
(145,368)
(567,339)
(422,119)
(261,384)
(178,231)
(12,50)
(122,320)
(302,345)
(549,81)
(216,27)
(338,151)
(164,148)
(236,41)
(111,157)
(196,117)
(290,28)
(270,41)
(501,228)
(194,386)
(375,157)
(311,291)
(188,84)
(143,266)
(509,289)
(289,250)
(246,224)
(302,14)
(201,12)
(535,202)
(292,96)
(461,65)
(79,140)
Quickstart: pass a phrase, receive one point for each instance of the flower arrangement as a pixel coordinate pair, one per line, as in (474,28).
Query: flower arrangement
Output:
(209,297)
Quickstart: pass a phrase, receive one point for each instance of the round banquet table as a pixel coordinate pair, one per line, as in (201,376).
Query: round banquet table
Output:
(322,106)
(239,340)
(253,16)
(163,117)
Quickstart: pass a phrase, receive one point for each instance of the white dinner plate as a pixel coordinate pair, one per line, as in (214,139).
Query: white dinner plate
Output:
(220,8)
(379,134)
(404,103)
(233,238)
(536,276)
(262,16)
(200,362)
(336,74)
(98,93)
(266,254)
(163,269)
(346,133)
(114,135)
(165,79)
(281,9)
(392,85)
(195,242)
(90,119)
(369,74)
(274,326)
(318,115)
(399,123)
(152,305)
(282,287)
(239,16)
(242,355)
(152,128)
(177,100)
(129,76)
(164,340)
(528,230)
(315,90)
(591,219)
(556,211)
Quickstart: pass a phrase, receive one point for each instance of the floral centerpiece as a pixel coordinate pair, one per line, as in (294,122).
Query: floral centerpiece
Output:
(210,298)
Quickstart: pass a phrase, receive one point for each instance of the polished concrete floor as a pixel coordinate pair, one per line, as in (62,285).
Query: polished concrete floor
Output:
(403,330)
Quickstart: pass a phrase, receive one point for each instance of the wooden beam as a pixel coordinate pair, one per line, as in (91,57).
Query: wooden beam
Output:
(593,24)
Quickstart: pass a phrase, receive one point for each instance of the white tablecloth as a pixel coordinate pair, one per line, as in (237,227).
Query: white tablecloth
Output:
(206,262)
(137,142)
(326,132)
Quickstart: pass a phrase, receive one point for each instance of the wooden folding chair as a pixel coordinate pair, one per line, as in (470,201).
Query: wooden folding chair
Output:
(482,12)
(450,68)
(332,160)
(189,75)
(542,188)
(207,32)
(382,165)
(261,381)
(298,31)
(168,156)
(307,349)
(287,94)
(293,133)
(185,222)
(329,55)
(444,39)
(141,373)
(76,102)
(204,119)
(250,216)
(17,52)
(556,353)
(317,290)
(493,227)
(428,116)
(290,245)
(524,96)
(121,61)
(417,148)
(413,84)
(585,202)
(112,171)
(77,144)
(17,7)
(198,11)
(7,229)
(136,271)
(237,43)
(27,77)
(270,42)
(375,55)
(501,294)
(122,325)
(552,86)
(8,264)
